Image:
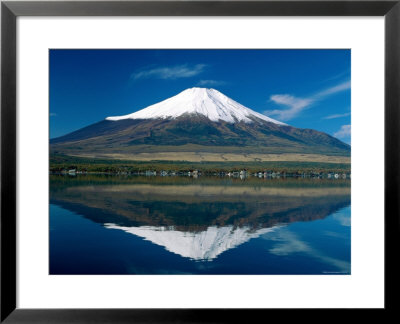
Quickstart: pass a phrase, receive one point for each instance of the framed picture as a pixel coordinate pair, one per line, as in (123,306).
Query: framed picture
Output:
(246,150)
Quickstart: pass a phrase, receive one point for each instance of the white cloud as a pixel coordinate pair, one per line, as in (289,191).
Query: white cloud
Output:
(170,73)
(343,219)
(210,83)
(297,104)
(338,88)
(344,131)
(337,116)
(288,243)
(342,75)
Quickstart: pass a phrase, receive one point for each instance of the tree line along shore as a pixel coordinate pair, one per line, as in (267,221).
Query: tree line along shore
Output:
(69,165)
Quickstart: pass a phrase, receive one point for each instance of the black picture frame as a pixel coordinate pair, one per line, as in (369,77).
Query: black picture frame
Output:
(10,10)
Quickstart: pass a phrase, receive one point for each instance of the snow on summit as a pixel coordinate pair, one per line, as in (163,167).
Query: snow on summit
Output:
(205,245)
(207,102)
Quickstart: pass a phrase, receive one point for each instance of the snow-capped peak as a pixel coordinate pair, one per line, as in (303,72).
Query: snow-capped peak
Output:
(205,245)
(201,101)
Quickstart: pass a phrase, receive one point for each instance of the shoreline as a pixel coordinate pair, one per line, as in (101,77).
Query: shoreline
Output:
(62,164)
(196,174)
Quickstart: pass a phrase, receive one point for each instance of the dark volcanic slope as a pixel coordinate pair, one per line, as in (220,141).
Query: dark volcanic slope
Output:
(138,135)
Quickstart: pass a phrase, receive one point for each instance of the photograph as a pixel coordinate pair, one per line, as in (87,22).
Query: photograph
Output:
(199,161)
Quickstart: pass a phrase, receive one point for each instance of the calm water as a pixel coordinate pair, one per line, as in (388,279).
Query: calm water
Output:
(182,225)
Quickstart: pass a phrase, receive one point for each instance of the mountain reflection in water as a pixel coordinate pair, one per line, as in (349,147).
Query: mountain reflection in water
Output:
(198,219)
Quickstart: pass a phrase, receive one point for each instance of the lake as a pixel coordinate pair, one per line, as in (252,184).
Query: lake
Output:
(109,224)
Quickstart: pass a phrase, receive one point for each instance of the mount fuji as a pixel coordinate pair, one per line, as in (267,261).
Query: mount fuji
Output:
(209,103)
(196,120)
(201,246)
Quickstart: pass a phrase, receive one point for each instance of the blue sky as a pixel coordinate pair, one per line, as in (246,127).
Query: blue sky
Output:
(303,88)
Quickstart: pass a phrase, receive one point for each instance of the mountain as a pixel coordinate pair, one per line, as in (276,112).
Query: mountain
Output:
(205,245)
(199,101)
(195,120)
